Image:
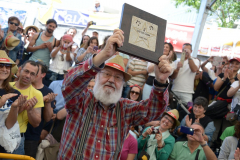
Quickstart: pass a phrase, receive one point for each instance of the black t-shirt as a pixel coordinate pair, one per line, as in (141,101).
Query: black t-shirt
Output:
(32,133)
(226,83)
(7,106)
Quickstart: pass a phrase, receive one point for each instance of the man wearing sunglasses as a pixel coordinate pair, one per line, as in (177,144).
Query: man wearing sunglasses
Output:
(16,53)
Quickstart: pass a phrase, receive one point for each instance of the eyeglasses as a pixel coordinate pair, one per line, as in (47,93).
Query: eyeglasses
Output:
(14,23)
(169,120)
(32,74)
(133,92)
(117,78)
(8,66)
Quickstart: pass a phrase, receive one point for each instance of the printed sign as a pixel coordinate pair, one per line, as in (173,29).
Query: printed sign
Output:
(5,13)
(70,17)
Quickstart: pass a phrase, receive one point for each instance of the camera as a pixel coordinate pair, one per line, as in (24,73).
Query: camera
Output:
(155,131)
(187,130)
(92,23)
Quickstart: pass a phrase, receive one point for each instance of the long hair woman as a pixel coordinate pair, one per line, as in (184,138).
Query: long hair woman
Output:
(88,50)
(10,99)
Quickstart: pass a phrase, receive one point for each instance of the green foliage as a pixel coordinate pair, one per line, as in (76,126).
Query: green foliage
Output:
(227,11)
(38,1)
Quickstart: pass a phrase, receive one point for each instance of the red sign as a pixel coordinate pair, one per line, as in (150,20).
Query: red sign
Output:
(178,34)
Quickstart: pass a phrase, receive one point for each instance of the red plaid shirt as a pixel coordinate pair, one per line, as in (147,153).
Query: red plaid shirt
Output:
(102,138)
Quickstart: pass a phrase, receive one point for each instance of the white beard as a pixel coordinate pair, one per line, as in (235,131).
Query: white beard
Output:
(106,96)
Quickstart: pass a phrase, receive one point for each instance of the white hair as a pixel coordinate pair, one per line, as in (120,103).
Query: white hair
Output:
(106,96)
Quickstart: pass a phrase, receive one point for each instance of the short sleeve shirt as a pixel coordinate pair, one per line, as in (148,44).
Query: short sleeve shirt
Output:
(30,92)
(181,152)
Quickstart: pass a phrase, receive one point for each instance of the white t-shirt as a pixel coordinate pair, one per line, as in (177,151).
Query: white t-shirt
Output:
(236,97)
(211,74)
(58,65)
(184,82)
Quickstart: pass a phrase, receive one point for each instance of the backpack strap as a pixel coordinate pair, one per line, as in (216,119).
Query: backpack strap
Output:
(85,131)
(54,45)
(38,36)
(196,158)
(118,114)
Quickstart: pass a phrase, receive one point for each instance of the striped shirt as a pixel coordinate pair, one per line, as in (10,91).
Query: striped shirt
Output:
(102,135)
(80,52)
(137,65)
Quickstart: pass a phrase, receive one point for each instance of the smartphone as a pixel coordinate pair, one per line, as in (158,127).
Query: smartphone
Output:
(95,48)
(187,130)
(183,57)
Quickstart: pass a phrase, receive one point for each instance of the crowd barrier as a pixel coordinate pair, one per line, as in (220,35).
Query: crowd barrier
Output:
(15,156)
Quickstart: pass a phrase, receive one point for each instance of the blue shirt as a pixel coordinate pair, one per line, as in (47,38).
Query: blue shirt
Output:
(16,52)
(56,88)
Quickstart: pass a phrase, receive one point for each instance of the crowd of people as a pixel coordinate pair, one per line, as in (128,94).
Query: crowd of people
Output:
(89,101)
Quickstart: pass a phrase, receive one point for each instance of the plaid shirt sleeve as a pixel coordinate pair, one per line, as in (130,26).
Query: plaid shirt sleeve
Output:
(147,110)
(75,84)
(21,50)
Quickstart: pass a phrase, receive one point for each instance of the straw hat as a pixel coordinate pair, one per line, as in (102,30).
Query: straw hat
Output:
(174,114)
(11,41)
(35,27)
(5,59)
(117,63)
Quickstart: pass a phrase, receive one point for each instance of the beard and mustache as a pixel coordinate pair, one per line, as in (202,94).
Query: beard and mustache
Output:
(106,95)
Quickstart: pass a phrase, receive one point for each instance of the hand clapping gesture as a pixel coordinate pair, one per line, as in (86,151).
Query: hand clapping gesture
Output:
(49,97)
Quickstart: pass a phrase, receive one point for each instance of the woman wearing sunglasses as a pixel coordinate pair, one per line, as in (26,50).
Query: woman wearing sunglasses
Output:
(13,23)
(135,93)
(10,99)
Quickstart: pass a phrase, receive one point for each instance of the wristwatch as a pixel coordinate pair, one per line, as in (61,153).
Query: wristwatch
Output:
(223,79)
(203,145)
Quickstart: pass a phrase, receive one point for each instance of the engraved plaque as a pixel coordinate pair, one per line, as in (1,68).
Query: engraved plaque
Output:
(144,34)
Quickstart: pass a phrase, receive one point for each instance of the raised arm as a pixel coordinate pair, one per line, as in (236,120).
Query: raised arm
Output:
(204,64)
(234,88)
(192,65)
(75,84)
(152,108)
(85,29)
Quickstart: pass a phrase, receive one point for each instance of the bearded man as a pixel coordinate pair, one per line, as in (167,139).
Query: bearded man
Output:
(98,121)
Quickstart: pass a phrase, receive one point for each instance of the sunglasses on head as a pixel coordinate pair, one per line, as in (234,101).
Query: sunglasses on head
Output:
(8,66)
(137,93)
(14,23)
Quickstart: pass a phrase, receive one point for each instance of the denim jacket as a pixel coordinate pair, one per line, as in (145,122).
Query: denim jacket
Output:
(17,52)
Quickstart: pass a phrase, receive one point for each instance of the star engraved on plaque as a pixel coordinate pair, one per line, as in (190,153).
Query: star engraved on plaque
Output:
(143,34)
